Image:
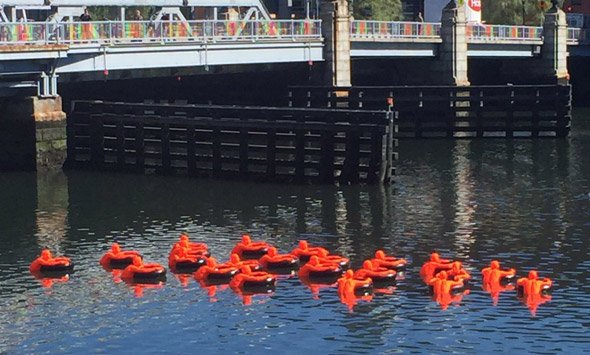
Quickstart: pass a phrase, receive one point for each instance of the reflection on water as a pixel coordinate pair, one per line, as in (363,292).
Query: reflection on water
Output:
(523,202)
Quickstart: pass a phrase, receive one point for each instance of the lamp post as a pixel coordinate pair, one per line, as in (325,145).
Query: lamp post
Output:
(523,13)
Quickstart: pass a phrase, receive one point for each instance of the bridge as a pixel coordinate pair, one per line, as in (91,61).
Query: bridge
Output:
(419,39)
(141,44)
(51,49)
(34,54)
(115,45)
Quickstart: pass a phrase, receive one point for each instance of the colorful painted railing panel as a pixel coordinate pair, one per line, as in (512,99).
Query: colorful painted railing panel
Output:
(147,31)
(383,30)
(393,30)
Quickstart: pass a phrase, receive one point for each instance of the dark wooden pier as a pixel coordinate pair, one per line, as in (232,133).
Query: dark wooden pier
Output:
(257,143)
(457,112)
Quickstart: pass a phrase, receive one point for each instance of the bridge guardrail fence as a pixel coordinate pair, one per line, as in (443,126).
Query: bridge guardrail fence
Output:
(360,29)
(503,32)
(108,32)
(207,30)
(385,29)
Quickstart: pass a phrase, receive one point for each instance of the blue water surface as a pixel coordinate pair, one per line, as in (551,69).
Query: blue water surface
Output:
(525,202)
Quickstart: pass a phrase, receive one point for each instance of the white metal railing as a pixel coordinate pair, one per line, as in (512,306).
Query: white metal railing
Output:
(360,29)
(577,35)
(391,30)
(111,32)
(502,33)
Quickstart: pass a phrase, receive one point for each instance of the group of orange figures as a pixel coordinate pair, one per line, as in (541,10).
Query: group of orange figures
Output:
(449,282)
(254,266)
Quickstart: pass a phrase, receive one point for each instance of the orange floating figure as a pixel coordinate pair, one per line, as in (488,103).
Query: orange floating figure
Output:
(325,256)
(253,281)
(236,261)
(247,249)
(48,266)
(457,272)
(493,279)
(316,270)
(532,291)
(117,258)
(248,284)
(351,289)
(381,276)
(182,260)
(304,252)
(443,290)
(214,273)
(194,249)
(431,267)
(389,262)
(144,273)
(351,286)
(273,261)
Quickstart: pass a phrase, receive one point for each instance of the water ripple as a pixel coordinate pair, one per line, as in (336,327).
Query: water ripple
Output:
(523,202)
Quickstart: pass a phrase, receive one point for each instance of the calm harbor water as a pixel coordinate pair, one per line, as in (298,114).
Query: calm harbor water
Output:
(526,202)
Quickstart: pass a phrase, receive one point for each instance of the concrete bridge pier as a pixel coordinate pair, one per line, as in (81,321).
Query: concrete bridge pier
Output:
(450,68)
(32,133)
(335,18)
(554,50)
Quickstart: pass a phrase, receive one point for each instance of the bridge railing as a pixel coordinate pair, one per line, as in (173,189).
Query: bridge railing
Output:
(501,33)
(388,30)
(391,30)
(108,32)
(576,35)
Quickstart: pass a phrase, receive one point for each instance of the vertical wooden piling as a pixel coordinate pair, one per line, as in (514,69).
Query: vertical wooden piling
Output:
(165,148)
(96,141)
(243,154)
(139,147)
(299,145)
(216,150)
(299,149)
(191,159)
(120,143)
(271,154)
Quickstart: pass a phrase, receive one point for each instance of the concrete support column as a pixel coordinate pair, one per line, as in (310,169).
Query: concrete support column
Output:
(336,30)
(32,133)
(554,50)
(452,62)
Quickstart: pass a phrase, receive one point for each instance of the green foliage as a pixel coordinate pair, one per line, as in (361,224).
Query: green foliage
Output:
(379,10)
(509,12)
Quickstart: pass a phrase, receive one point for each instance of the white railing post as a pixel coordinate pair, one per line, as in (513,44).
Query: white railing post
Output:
(109,38)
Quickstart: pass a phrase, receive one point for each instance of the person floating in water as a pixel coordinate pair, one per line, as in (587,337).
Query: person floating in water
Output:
(430,268)
(442,290)
(532,291)
(492,280)
(457,272)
